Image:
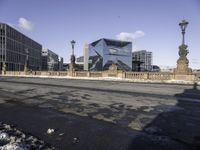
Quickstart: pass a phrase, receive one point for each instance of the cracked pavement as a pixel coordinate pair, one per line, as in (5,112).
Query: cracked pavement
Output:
(167,114)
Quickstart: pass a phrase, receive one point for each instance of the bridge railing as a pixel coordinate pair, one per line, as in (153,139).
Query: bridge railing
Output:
(119,74)
(159,76)
(81,74)
(96,74)
(149,75)
(136,75)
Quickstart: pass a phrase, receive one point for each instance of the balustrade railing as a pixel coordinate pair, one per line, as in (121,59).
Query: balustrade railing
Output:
(81,73)
(96,74)
(159,76)
(136,75)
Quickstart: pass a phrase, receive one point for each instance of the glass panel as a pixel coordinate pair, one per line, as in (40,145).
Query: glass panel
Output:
(104,52)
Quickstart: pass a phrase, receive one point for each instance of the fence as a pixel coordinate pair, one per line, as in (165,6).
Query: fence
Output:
(119,74)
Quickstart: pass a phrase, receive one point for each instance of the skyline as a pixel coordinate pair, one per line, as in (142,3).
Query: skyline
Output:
(152,26)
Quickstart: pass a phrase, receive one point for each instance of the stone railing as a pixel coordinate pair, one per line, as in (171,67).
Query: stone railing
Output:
(159,76)
(81,74)
(63,73)
(96,74)
(149,75)
(16,73)
(119,74)
(136,75)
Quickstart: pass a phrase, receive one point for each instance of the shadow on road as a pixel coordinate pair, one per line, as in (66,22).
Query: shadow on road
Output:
(177,129)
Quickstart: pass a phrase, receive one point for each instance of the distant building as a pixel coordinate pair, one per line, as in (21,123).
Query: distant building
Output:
(15,48)
(60,63)
(50,61)
(86,56)
(65,66)
(80,60)
(105,52)
(167,68)
(143,60)
(156,68)
(80,63)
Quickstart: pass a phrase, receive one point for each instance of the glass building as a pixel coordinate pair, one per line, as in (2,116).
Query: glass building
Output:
(105,52)
(144,60)
(50,60)
(16,50)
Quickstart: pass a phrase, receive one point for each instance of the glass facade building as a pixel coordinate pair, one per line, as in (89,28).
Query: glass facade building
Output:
(105,52)
(15,48)
(144,58)
(50,60)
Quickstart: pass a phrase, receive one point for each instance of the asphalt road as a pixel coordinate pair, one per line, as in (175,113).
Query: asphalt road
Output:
(103,115)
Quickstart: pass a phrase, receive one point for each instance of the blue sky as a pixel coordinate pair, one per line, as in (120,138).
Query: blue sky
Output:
(152,24)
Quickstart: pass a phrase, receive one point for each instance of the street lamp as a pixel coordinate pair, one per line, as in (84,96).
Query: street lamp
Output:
(72,56)
(183,24)
(183,62)
(73,43)
(183,48)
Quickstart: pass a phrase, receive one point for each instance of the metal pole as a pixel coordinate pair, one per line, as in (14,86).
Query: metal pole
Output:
(183,39)
(72,49)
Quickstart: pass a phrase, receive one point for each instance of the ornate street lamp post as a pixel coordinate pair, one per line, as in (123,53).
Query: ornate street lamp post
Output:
(72,56)
(183,62)
(183,26)
(72,65)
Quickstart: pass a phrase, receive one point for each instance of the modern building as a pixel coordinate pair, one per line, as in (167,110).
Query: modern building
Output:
(142,60)
(60,63)
(80,63)
(105,52)
(156,68)
(16,50)
(65,66)
(80,59)
(50,61)
(86,56)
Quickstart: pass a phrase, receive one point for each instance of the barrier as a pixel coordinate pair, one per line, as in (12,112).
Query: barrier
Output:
(119,74)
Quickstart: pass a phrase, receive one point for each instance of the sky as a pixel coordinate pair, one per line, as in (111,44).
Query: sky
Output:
(151,25)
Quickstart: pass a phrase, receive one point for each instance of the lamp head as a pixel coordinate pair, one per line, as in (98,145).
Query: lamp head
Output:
(183,24)
(73,42)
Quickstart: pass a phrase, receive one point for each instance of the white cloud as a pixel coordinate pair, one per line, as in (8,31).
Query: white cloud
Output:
(25,24)
(125,36)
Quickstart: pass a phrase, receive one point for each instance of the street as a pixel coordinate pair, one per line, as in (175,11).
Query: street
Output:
(103,115)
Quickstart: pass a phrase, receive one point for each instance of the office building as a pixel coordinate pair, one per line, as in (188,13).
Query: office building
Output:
(80,63)
(16,50)
(86,56)
(50,61)
(60,64)
(80,60)
(105,52)
(142,60)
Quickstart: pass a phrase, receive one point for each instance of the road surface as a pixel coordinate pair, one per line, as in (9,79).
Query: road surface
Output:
(103,115)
